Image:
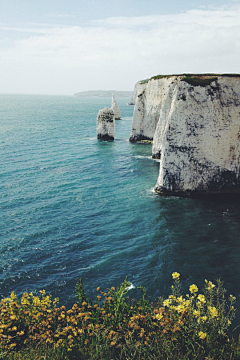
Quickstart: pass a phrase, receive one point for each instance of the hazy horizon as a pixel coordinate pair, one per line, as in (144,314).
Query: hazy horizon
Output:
(59,48)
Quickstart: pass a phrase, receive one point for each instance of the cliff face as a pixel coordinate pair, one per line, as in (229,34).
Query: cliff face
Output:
(147,109)
(138,89)
(197,135)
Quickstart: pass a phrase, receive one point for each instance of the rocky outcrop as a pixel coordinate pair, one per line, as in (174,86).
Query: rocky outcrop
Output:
(106,124)
(147,109)
(115,107)
(138,89)
(197,135)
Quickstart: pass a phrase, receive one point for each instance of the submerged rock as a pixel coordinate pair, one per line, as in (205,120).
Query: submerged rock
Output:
(115,108)
(106,124)
(196,132)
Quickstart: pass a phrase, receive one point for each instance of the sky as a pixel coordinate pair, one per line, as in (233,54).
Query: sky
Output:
(61,47)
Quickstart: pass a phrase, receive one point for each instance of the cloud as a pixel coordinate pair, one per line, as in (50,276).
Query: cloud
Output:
(117,52)
(23,30)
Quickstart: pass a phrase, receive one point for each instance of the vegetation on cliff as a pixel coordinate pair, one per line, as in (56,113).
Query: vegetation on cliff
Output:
(113,327)
(193,79)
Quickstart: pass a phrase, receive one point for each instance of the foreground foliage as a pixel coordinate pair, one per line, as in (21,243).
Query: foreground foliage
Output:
(112,327)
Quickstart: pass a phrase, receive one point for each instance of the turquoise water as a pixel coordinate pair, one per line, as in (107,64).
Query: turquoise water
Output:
(72,206)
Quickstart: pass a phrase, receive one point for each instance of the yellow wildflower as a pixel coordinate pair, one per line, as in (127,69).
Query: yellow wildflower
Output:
(202,335)
(204,318)
(210,285)
(213,311)
(201,298)
(175,276)
(196,313)
(167,302)
(180,308)
(13,296)
(193,288)
(159,316)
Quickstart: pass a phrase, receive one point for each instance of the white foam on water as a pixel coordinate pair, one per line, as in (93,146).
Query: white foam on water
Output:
(157,160)
(151,192)
(140,157)
(131,287)
(145,157)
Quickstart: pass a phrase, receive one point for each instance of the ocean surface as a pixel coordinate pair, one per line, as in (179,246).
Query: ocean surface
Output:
(72,206)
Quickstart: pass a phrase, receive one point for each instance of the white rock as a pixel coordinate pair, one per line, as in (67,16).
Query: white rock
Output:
(147,109)
(138,89)
(106,124)
(115,108)
(197,136)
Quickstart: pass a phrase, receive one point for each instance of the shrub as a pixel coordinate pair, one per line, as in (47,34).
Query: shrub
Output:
(113,327)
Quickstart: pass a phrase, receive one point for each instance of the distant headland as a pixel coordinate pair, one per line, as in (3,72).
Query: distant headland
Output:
(104,93)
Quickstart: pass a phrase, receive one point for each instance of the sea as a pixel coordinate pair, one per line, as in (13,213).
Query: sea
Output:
(72,206)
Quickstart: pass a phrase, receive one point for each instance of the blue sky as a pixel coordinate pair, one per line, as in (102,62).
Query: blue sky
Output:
(62,47)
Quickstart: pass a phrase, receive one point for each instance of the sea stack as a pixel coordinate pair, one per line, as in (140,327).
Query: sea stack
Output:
(194,121)
(106,124)
(115,108)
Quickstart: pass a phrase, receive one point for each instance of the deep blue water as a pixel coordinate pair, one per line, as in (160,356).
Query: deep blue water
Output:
(73,206)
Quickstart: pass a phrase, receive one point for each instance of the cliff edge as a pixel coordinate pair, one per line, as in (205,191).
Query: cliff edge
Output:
(194,121)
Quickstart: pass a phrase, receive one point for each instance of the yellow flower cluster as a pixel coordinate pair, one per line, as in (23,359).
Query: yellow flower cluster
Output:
(193,289)
(175,276)
(202,335)
(213,311)
(210,285)
(38,319)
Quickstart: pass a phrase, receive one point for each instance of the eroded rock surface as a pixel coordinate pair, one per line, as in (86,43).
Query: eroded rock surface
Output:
(197,133)
(115,107)
(138,89)
(106,124)
(147,109)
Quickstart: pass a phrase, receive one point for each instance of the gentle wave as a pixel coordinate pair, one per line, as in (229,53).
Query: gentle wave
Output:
(73,206)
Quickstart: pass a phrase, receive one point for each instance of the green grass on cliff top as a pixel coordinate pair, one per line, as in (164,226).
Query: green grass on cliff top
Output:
(192,79)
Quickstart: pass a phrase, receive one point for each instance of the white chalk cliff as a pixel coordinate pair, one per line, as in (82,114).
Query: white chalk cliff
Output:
(138,89)
(195,125)
(115,107)
(106,124)
(147,109)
